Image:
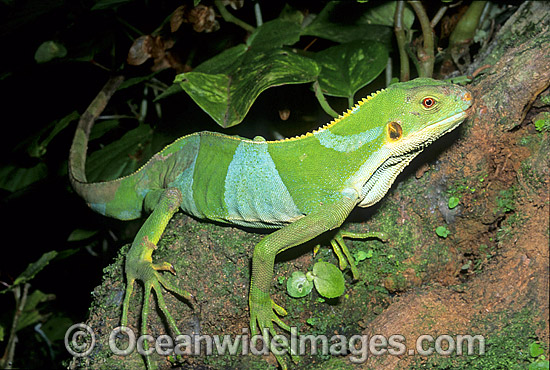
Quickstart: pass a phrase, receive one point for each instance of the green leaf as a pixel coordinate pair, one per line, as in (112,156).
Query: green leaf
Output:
(121,157)
(343,34)
(298,285)
(311,321)
(535,350)
(172,90)
(2,331)
(539,365)
(34,268)
(56,327)
(541,125)
(274,34)
(49,50)
(102,127)
(348,67)
(228,60)
(31,314)
(13,178)
(291,14)
(442,231)
(226,85)
(362,255)
(384,15)
(329,280)
(542,121)
(453,202)
(345,21)
(66,253)
(81,234)
(228,97)
(37,148)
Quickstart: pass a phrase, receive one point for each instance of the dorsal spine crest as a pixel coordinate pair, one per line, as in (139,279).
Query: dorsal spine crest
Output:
(348,112)
(335,120)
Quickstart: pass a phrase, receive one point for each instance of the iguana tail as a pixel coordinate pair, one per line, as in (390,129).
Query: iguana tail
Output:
(100,196)
(77,156)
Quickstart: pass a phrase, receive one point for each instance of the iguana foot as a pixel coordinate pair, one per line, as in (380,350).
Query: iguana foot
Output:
(342,252)
(148,273)
(263,313)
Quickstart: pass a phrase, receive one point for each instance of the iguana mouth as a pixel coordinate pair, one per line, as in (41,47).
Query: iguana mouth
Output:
(455,120)
(381,180)
(426,135)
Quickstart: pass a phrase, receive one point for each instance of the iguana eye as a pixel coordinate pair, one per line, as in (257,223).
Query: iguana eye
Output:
(428,102)
(394,131)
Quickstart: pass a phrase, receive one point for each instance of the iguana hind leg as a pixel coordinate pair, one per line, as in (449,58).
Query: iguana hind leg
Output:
(139,264)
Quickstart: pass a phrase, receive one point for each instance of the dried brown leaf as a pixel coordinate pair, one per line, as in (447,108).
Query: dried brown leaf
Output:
(140,50)
(156,47)
(203,19)
(177,18)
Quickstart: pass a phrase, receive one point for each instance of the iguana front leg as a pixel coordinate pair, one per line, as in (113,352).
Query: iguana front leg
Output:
(263,311)
(139,264)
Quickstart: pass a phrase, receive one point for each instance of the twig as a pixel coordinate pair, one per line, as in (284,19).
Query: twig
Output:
(389,71)
(258,14)
(426,53)
(100,65)
(401,41)
(20,301)
(311,43)
(480,69)
(437,17)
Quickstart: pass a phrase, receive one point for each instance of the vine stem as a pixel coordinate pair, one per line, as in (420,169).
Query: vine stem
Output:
(401,41)
(426,53)
(228,17)
(20,301)
(351,100)
(323,101)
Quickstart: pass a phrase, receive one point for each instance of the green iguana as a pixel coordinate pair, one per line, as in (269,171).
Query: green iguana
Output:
(302,186)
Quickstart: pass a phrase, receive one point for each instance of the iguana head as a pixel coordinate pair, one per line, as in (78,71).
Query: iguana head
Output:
(418,112)
(428,109)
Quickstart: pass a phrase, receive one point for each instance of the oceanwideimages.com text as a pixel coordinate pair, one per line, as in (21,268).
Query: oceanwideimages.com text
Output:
(80,341)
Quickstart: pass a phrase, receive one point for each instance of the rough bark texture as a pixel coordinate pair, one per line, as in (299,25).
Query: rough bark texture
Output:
(489,277)
(501,147)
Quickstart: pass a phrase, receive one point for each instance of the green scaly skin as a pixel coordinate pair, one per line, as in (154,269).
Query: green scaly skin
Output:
(302,186)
